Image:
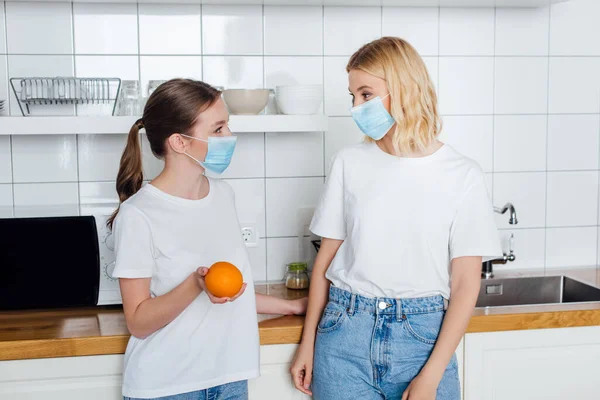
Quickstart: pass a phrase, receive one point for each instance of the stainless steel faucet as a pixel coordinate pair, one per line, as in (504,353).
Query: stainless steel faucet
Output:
(487,270)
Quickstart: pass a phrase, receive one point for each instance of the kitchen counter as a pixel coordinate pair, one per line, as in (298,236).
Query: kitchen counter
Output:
(102,330)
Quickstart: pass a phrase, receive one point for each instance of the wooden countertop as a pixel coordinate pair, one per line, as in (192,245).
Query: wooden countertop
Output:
(102,330)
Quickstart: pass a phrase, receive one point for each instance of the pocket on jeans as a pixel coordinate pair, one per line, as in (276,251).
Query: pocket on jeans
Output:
(425,327)
(332,317)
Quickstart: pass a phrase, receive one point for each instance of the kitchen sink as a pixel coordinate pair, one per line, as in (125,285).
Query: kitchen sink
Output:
(534,291)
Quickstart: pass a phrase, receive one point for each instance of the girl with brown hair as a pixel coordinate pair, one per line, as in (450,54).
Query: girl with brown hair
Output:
(186,343)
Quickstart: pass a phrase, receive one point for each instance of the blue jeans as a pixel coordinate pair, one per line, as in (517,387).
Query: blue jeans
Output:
(229,391)
(371,349)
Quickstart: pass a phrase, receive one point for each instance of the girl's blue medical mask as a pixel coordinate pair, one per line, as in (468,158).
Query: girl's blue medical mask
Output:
(372,118)
(219,154)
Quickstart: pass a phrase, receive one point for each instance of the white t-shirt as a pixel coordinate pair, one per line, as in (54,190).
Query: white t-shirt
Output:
(166,238)
(403,220)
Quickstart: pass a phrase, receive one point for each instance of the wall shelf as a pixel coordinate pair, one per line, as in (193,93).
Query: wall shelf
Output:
(400,3)
(121,125)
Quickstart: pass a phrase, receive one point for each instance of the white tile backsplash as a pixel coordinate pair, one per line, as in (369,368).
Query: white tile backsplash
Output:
(286,198)
(574,85)
(293,30)
(293,71)
(5,160)
(294,154)
(39,28)
(99,156)
(124,67)
(466,85)
(249,158)
(471,136)
(97,198)
(45,199)
(105,28)
(467,31)
(418,25)
(521,85)
(170,29)
(520,143)
(232,30)
(573,142)
(337,97)
(572,199)
(250,203)
(348,28)
(168,67)
(233,72)
(6,201)
(522,31)
(574,28)
(4,85)
(342,132)
(493,76)
(258,260)
(571,246)
(50,158)
(2,30)
(527,191)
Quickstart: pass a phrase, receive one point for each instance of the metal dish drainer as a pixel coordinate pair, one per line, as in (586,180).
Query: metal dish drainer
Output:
(36,91)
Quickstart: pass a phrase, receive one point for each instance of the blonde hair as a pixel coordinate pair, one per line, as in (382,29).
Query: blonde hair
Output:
(413,102)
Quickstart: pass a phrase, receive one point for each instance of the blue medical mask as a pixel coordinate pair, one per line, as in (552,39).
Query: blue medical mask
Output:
(219,154)
(372,118)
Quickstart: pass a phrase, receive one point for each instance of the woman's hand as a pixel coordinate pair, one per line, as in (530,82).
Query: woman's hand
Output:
(201,274)
(302,368)
(298,306)
(423,387)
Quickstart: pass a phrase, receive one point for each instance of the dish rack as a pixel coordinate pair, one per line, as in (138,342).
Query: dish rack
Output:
(37,91)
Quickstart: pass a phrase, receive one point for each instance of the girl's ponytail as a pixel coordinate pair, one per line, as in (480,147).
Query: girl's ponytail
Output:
(130,176)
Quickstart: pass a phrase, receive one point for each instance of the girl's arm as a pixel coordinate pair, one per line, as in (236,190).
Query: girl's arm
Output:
(274,305)
(145,314)
(317,299)
(466,281)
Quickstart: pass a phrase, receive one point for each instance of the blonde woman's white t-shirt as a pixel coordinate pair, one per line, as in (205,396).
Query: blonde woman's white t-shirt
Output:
(166,238)
(403,220)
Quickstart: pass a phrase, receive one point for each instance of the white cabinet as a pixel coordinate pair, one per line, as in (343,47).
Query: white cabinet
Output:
(275,382)
(549,364)
(69,378)
(100,377)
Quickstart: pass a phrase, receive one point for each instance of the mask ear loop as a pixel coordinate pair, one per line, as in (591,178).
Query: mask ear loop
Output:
(189,155)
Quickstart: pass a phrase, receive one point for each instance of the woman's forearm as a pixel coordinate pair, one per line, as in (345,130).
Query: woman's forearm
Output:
(465,288)
(274,305)
(153,313)
(319,288)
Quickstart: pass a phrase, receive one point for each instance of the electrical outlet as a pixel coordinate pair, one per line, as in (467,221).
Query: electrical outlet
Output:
(250,236)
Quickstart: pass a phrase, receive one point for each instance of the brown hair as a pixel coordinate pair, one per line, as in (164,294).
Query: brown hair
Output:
(413,100)
(172,108)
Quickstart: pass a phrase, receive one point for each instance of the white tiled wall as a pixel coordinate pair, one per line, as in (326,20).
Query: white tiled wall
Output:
(519,90)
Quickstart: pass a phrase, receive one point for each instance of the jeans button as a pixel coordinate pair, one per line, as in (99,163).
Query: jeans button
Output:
(382,305)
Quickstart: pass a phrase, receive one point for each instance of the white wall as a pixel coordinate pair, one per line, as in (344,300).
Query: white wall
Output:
(519,90)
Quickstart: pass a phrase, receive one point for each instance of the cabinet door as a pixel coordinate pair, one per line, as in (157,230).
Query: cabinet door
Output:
(275,382)
(549,364)
(69,378)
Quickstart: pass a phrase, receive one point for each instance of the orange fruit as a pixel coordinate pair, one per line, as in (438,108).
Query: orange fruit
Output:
(224,279)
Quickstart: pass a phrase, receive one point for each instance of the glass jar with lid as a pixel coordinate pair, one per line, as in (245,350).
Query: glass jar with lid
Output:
(296,276)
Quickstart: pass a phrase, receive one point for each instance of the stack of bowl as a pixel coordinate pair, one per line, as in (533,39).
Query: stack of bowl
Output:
(246,101)
(299,99)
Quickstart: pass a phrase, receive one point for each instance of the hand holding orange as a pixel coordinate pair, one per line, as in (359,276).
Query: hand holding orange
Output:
(224,280)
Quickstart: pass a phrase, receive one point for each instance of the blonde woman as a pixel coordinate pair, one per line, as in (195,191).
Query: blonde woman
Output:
(400,215)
